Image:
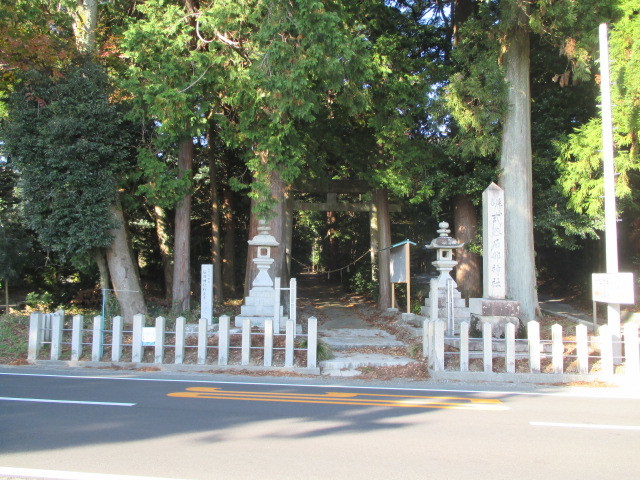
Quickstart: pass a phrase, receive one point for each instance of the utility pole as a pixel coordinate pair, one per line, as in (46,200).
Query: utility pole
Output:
(610,213)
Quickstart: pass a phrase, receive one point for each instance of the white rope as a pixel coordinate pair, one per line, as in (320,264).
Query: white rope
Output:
(346,267)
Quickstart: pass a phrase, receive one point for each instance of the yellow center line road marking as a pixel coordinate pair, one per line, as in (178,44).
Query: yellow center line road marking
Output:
(344,398)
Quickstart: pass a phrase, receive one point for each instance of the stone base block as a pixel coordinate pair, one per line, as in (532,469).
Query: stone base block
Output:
(494,307)
(497,322)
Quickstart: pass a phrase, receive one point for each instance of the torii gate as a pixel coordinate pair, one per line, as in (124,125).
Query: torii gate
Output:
(332,188)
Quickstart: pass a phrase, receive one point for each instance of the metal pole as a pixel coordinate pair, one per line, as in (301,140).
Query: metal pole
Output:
(610,214)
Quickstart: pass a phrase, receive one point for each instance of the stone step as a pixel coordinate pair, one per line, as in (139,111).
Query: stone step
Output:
(348,364)
(345,338)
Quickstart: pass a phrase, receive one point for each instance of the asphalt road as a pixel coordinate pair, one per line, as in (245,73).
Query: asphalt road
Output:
(195,427)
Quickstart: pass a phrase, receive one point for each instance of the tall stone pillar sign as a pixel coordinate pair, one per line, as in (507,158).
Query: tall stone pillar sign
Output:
(494,308)
(493,245)
(258,306)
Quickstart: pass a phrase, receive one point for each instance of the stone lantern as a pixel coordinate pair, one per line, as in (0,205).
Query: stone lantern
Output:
(450,304)
(444,245)
(259,305)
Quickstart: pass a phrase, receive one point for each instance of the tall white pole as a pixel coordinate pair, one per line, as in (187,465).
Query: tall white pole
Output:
(610,213)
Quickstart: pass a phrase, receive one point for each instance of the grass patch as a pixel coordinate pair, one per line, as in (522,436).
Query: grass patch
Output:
(14,338)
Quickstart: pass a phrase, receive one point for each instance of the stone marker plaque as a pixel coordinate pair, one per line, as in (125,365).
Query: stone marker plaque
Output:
(206,292)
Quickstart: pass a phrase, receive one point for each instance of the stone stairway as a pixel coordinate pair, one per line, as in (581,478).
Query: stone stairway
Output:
(355,349)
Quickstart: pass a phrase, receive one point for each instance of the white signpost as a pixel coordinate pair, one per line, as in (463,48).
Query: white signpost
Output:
(206,293)
(612,288)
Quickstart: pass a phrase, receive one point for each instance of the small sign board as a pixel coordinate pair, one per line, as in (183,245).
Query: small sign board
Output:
(613,288)
(399,264)
(148,336)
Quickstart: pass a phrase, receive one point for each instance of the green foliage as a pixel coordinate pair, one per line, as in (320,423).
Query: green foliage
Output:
(580,159)
(68,143)
(14,337)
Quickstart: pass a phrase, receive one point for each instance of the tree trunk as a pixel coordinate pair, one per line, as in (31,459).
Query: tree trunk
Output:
(215,220)
(6,295)
(277,224)
(85,21)
(164,244)
(229,244)
(122,269)
(103,268)
(181,297)
(468,271)
(516,176)
(381,199)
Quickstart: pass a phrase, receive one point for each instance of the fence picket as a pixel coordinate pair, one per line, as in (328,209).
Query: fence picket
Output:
(439,329)
(582,349)
(510,347)
(97,341)
(246,341)
(57,323)
(631,352)
(487,347)
(464,347)
(606,349)
(312,342)
(116,339)
(136,341)
(268,342)
(557,349)
(160,337)
(179,341)
(533,332)
(35,335)
(288,352)
(223,340)
(77,324)
(203,324)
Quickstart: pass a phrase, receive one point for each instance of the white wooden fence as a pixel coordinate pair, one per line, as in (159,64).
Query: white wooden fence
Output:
(112,343)
(583,356)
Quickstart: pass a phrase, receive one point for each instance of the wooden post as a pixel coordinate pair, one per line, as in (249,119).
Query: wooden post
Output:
(408,273)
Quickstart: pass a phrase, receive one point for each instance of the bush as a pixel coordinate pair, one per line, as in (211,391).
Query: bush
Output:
(39,301)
